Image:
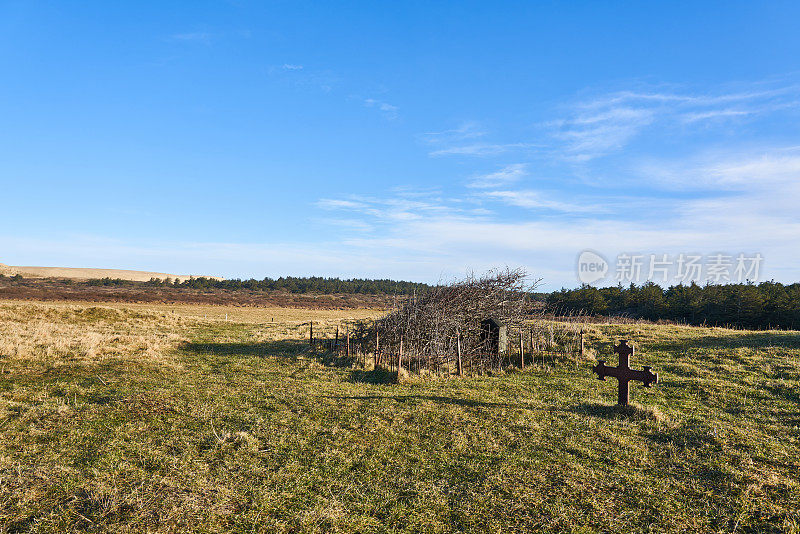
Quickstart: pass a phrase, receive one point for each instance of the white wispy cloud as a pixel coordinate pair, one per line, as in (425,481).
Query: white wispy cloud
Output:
(354,224)
(695,200)
(608,123)
(724,172)
(403,205)
(389,111)
(714,114)
(503,177)
(758,172)
(743,203)
(592,134)
(302,77)
(721,97)
(334,204)
(465,140)
(465,131)
(481,149)
(537,200)
(452,243)
(426,235)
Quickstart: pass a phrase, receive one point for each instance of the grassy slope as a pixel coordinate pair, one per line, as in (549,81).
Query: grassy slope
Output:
(240,429)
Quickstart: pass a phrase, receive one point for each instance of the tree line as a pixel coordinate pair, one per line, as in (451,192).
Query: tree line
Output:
(765,305)
(294,284)
(291,284)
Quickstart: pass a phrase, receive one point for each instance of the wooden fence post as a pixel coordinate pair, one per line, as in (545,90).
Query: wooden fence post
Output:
(336,341)
(458,352)
(521,349)
(400,357)
(377,346)
(311,334)
(348,339)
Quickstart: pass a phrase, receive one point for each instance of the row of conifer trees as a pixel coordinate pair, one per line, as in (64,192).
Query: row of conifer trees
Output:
(753,306)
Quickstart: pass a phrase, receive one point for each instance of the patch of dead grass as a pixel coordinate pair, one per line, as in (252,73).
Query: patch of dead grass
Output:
(44,333)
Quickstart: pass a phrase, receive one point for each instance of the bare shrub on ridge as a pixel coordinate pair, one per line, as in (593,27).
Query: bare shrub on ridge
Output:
(433,325)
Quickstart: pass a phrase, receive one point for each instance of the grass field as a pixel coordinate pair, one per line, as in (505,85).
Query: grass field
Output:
(168,418)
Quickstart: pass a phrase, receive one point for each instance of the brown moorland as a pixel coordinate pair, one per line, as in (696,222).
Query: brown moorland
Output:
(65,290)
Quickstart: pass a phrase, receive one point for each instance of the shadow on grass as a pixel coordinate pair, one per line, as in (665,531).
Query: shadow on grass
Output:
(109,374)
(786,390)
(373,376)
(737,339)
(433,398)
(691,434)
(293,350)
(331,359)
(613,411)
(289,349)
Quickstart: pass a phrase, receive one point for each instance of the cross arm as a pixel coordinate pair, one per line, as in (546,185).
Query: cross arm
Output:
(602,370)
(646,376)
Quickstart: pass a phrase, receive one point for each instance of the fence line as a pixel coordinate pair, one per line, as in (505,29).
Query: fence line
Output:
(538,343)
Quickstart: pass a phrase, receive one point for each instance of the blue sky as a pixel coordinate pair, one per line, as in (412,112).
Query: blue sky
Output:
(411,140)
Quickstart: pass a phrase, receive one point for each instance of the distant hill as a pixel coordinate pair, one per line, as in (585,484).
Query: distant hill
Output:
(88,274)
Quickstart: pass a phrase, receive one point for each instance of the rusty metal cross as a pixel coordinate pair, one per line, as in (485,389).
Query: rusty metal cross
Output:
(623,373)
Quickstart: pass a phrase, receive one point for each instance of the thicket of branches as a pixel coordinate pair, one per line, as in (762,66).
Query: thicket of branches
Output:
(433,325)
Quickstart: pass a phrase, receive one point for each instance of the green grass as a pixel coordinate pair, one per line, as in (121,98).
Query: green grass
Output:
(236,430)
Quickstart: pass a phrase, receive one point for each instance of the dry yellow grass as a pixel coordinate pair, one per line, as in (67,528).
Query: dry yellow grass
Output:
(57,333)
(251,315)
(209,312)
(52,332)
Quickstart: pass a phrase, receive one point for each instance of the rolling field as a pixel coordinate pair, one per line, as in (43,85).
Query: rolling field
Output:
(159,418)
(86,273)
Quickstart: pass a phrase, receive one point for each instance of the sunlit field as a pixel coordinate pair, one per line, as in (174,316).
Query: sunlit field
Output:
(160,418)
